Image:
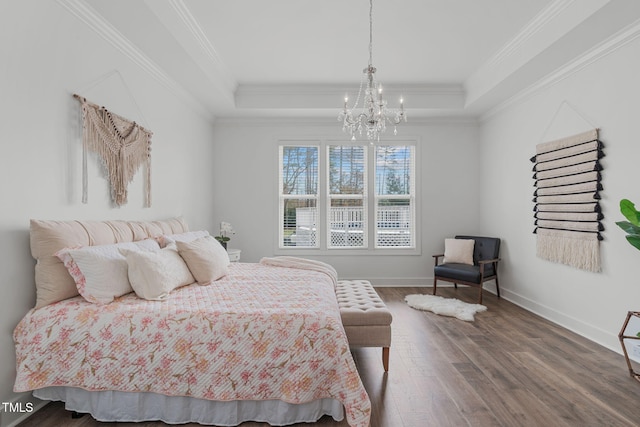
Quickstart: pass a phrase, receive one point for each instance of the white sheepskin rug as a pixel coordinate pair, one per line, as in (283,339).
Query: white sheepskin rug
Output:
(445,306)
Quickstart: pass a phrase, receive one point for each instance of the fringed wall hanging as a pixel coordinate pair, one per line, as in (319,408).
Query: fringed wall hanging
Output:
(567,208)
(123,146)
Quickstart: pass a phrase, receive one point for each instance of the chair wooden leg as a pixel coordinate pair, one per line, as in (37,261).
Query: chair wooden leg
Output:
(434,285)
(385,358)
(455,285)
(497,287)
(480,296)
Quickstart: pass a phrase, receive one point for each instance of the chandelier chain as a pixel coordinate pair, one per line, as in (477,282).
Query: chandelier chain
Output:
(375,114)
(370,33)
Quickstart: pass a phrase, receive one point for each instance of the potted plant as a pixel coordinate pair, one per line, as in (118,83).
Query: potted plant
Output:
(632,228)
(225,231)
(632,225)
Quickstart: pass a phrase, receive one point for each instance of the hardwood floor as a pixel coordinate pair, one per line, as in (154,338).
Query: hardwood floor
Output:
(508,368)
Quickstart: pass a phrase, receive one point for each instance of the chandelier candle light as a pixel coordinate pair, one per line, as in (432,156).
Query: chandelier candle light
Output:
(374,114)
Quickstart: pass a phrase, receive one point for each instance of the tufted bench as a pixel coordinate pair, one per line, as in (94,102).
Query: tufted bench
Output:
(365,318)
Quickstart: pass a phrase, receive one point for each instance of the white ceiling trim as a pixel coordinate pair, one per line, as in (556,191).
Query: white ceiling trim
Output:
(331,123)
(185,28)
(549,26)
(535,26)
(313,96)
(105,30)
(613,43)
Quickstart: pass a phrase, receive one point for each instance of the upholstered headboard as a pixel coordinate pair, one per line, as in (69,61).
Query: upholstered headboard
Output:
(53,282)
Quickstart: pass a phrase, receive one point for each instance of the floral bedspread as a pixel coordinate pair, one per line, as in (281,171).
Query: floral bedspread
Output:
(262,332)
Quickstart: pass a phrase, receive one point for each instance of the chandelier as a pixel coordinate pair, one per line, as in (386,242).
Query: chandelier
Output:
(374,115)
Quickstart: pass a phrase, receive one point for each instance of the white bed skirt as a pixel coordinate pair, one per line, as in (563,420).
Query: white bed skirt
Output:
(136,407)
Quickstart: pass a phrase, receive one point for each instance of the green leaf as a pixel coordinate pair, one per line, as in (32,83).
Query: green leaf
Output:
(634,240)
(628,227)
(628,209)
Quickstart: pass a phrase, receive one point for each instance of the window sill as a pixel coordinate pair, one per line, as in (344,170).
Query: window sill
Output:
(348,252)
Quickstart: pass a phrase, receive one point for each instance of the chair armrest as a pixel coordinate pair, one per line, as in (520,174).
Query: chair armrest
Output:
(435,259)
(488,261)
(482,263)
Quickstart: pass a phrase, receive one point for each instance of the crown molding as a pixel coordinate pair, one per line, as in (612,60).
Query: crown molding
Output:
(612,44)
(104,29)
(311,96)
(258,120)
(547,28)
(535,26)
(178,19)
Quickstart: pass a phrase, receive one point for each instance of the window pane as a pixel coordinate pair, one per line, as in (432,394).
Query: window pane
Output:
(299,174)
(394,170)
(394,223)
(347,169)
(347,223)
(300,223)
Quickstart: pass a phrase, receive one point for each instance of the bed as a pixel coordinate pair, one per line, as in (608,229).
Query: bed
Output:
(263,343)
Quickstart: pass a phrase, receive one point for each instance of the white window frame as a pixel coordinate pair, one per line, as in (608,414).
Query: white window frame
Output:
(371,200)
(283,197)
(364,197)
(411,196)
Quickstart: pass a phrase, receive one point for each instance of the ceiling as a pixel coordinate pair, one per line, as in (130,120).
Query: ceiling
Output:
(299,58)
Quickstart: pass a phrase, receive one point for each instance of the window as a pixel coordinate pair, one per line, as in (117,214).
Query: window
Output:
(299,196)
(337,195)
(395,196)
(347,202)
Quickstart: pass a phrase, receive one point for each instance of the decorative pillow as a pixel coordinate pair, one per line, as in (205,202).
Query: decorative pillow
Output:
(206,258)
(100,272)
(154,274)
(188,236)
(459,251)
(53,282)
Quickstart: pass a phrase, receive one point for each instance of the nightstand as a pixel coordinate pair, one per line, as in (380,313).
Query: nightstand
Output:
(234,254)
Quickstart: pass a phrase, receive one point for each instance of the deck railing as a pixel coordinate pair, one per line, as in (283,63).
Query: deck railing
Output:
(347,225)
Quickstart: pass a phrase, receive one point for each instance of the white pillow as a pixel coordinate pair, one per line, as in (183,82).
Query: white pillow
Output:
(154,274)
(459,251)
(187,236)
(100,272)
(206,258)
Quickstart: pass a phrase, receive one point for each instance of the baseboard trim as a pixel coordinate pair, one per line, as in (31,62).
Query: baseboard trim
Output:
(585,330)
(27,405)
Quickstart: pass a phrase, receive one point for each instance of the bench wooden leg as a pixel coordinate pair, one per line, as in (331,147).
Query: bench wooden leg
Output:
(385,358)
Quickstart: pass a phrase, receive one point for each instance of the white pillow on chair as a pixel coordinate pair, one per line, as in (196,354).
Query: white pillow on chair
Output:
(459,251)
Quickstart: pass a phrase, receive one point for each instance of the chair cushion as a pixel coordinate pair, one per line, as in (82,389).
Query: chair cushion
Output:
(463,272)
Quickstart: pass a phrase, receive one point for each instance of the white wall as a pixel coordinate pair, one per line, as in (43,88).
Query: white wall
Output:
(246,187)
(47,54)
(604,94)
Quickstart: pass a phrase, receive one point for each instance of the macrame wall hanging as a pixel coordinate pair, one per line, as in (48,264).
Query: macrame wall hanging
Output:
(122,145)
(567,208)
